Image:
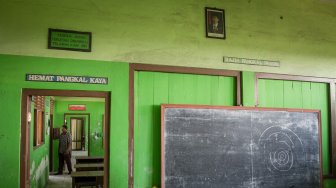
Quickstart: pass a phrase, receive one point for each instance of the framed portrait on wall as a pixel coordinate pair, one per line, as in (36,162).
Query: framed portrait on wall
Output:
(215,23)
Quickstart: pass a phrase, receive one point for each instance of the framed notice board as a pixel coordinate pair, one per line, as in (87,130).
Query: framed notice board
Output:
(69,40)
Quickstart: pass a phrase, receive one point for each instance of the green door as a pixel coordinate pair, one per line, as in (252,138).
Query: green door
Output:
(153,89)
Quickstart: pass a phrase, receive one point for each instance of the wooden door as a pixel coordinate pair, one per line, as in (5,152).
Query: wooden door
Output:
(77,133)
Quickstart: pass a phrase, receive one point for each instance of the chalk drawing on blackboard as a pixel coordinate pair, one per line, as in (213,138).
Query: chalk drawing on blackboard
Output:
(281,147)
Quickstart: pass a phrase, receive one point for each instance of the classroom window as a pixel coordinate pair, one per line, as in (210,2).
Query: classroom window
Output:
(38,120)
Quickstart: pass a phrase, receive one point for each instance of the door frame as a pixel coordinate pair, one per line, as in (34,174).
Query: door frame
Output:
(25,136)
(51,147)
(88,123)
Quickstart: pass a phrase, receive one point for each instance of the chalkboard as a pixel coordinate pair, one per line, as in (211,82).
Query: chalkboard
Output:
(236,147)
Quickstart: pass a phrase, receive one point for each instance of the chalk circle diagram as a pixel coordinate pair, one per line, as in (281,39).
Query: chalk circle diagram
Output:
(281,148)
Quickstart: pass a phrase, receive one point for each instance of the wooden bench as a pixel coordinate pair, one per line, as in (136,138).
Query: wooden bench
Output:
(89,166)
(89,159)
(87,178)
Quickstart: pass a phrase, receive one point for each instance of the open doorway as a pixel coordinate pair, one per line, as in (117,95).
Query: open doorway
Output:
(80,128)
(89,134)
(77,134)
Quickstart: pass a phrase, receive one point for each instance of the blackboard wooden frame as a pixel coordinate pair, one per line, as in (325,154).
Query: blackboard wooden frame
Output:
(165,106)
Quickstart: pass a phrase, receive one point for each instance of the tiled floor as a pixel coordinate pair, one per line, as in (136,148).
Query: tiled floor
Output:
(59,181)
(64,181)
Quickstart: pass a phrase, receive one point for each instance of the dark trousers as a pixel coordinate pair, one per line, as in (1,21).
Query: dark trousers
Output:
(67,159)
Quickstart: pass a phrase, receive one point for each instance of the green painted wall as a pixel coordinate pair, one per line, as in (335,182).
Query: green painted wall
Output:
(96,111)
(153,89)
(39,157)
(13,70)
(329,183)
(172,32)
(247,84)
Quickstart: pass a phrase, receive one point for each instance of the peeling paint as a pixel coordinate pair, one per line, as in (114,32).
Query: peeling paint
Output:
(36,174)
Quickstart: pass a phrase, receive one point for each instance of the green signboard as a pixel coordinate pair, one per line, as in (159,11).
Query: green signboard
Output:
(69,40)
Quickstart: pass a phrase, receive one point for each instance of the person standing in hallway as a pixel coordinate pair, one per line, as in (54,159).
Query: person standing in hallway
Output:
(64,150)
